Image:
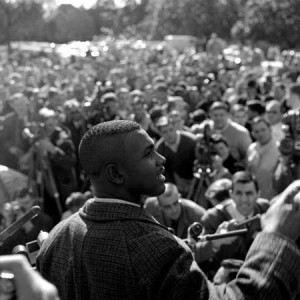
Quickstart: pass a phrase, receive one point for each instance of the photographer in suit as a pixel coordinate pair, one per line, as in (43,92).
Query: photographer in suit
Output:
(113,249)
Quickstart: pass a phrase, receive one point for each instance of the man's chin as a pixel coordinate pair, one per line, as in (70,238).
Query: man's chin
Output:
(157,191)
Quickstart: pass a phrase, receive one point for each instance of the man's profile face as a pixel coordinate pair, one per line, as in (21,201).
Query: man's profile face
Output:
(142,165)
(219,117)
(244,195)
(170,204)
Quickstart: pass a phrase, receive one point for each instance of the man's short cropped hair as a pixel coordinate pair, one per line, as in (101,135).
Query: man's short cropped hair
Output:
(219,190)
(244,177)
(160,87)
(104,143)
(108,97)
(162,122)
(217,138)
(237,107)
(259,119)
(256,106)
(170,189)
(219,105)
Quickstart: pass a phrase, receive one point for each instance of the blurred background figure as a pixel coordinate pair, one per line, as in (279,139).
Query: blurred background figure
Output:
(174,212)
(178,147)
(274,117)
(219,191)
(74,202)
(263,156)
(23,202)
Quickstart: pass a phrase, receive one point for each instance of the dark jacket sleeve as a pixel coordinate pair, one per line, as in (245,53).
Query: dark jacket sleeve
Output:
(266,274)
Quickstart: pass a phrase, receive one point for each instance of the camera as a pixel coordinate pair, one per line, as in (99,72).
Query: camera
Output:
(34,132)
(30,250)
(7,286)
(204,151)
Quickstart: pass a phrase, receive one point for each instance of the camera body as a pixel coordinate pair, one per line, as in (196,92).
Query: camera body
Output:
(204,151)
(7,286)
(30,250)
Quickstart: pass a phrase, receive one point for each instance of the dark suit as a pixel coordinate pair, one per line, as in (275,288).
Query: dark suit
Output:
(118,251)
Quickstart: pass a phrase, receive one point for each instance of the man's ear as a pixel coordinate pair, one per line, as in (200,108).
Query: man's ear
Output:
(113,174)
(230,193)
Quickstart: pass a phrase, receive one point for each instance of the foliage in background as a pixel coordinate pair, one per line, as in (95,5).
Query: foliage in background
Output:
(272,21)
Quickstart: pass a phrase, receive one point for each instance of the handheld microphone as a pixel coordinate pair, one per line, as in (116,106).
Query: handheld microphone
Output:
(11,229)
(210,237)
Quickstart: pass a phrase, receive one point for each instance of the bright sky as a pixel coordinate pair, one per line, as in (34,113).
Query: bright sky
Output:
(85,3)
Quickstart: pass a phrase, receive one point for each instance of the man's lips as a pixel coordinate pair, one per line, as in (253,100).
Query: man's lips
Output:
(160,175)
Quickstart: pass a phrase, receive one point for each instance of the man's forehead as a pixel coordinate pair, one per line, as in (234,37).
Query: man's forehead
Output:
(272,106)
(218,112)
(259,125)
(140,137)
(243,186)
(168,198)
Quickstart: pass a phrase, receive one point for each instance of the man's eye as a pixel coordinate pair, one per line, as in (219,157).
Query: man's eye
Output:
(151,154)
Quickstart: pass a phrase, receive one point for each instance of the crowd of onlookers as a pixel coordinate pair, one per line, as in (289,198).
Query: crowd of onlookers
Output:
(218,122)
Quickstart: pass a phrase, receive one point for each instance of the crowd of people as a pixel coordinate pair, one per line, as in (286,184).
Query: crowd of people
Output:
(224,136)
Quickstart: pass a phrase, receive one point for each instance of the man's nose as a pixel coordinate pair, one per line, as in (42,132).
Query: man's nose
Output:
(160,159)
(244,198)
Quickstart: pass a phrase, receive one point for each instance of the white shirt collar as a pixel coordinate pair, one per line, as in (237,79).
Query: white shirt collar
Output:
(112,200)
(234,213)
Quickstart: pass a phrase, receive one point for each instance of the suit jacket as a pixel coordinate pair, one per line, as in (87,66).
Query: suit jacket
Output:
(118,251)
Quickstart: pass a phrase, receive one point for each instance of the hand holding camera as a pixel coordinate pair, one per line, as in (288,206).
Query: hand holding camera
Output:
(25,282)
